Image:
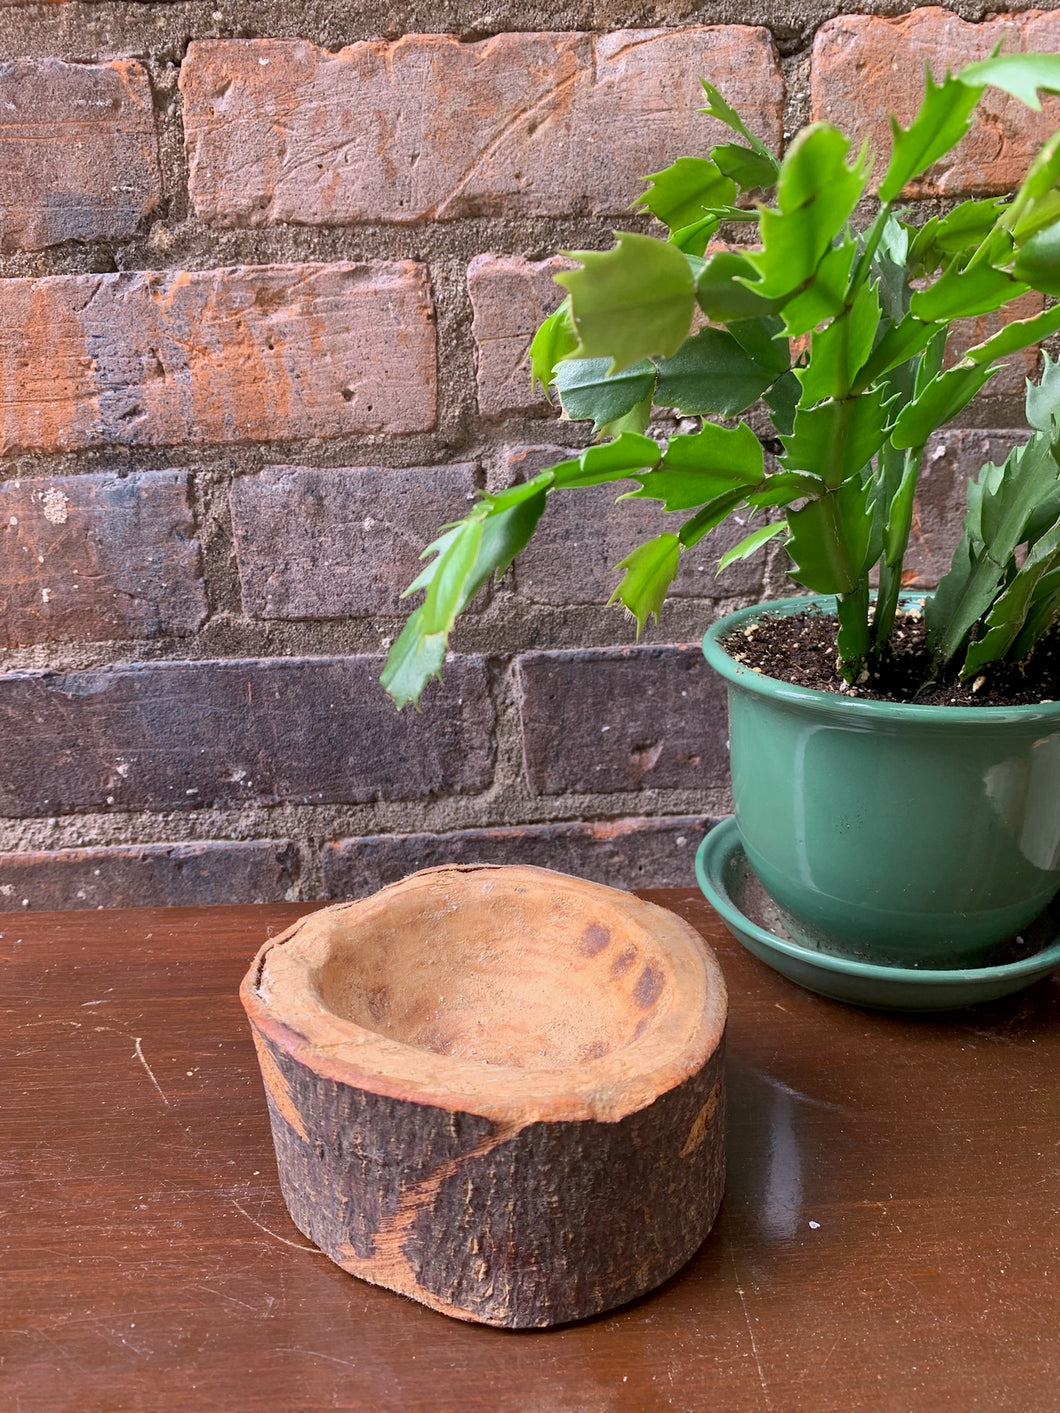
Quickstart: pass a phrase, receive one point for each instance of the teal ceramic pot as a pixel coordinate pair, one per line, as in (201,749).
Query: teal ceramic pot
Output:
(900,834)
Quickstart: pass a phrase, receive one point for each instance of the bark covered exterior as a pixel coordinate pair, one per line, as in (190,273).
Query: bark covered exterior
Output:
(512,1226)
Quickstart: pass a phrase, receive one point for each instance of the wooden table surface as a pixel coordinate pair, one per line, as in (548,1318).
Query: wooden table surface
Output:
(888,1240)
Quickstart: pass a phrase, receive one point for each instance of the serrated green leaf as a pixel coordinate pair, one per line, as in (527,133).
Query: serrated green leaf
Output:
(783,399)
(901,342)
(1034,205)
(961,294)
(783,487)
(683,192)
(1043,614)
(685,490)
(694,239)
(452,573)
(1020,333)
(484,543)
(1038,261)
(816,194)
(710,517)
(1000,505)
(1022,75)
(838,351)
(414,659)
(830,539)
(587,391)
(637,419)
(723,293)
(435,552)
(631,302)
(650,570)
(944,116)
(966,227)
(505,532)
(711,373)
(500,501)
(825,294)
(1009,612)
(1044,213)
(1043,401)
(747,168)
(724,113)
(836,439)
(752,542)
(735,451)
(938,402)
(705,469)
(609,461)
(765,340)
(888,268)
(958,234)
(554,341)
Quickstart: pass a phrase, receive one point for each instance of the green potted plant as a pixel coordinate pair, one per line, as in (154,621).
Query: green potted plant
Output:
(894,828)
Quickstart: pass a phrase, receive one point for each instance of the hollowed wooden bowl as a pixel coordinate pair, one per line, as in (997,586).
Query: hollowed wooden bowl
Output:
(496,1090)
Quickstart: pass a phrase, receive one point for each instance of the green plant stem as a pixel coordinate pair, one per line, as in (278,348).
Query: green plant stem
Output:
(898,529)
(872,241)
(853,612)
(886,606)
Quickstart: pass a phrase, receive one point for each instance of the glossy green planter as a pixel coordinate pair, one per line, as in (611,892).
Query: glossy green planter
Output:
(899,834)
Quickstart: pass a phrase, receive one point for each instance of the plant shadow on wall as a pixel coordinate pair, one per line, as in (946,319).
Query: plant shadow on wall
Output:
(842,333)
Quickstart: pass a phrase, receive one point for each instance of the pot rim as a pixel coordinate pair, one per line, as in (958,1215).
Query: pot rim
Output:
(853,709)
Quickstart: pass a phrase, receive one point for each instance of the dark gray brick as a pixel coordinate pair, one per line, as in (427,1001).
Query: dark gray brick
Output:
(337,543)
(89,558)
(607,719)
(622,853)
(180,735)
(149,875)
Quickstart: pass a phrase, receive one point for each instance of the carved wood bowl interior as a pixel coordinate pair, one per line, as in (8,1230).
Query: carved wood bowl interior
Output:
(493,989)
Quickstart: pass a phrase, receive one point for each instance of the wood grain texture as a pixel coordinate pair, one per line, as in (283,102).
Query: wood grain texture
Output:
(149,1265)
(498,1090)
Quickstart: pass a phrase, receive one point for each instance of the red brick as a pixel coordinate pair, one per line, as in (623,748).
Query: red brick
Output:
(98,557)
(181,735)
(149,875)
(429,127)
(613,719)
(584,533)
(510,296)
(951,459)
(621,853)
(78,145)
(864,67)
(327,544)
(249,353)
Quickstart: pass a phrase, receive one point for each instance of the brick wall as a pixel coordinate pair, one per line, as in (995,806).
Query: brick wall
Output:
(268,275)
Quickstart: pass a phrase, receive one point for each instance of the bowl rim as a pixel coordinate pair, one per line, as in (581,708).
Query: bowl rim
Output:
(340,1049)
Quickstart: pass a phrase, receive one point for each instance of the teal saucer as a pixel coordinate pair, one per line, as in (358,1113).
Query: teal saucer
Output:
(752,917)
